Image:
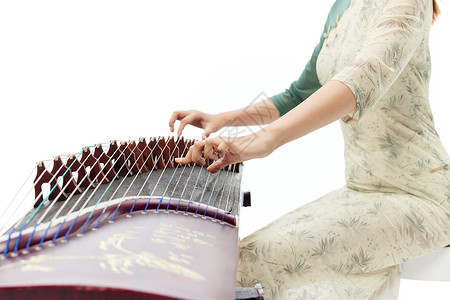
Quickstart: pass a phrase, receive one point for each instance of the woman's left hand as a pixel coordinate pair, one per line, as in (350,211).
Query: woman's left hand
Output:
(227,150)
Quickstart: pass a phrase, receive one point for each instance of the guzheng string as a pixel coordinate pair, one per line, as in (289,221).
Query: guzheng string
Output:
(131,184)
(121,182)
(229,193)
(210,196)
(104,193)
(178,181)
(14,198)
(97,160)
(26,195)
(19,204)
(88,194)
(118,187)
(190,198)
(203,193)
(165,189)
(56,215)
(168,184)
(54,202)
(221,193)
(184,189)
(79,199)
(41,204)
(73,192)
(160,176)
(34,213)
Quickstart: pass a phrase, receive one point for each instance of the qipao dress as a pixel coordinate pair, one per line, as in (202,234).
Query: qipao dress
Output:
(350,243)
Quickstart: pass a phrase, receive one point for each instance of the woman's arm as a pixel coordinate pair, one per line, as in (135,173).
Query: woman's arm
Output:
(330,103)
(401,26)
(260,113)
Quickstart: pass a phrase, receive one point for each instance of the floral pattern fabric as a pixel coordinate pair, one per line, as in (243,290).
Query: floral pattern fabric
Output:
(348,243)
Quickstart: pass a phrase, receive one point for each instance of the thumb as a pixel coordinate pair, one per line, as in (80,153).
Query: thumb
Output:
(208,130)
(206,134)
(217,165)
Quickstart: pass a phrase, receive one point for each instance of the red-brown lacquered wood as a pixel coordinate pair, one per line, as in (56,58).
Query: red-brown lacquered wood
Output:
(43,176)
(83,177)
(169,152)
(189,144)
(122,161)
(131,159)
(158,152)
(193,209)
(180,149)
(148,157)
(103,158)
(75,293)
(153,145)
(159,254)
(164,148)
(69,184)
(138,157)
(114,153)
(88,160)
(56,181)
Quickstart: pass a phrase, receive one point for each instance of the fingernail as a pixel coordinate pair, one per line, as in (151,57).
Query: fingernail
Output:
(212,170)
(177,159)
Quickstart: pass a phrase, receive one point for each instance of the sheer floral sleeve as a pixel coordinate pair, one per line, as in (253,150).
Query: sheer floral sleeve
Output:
(400,27)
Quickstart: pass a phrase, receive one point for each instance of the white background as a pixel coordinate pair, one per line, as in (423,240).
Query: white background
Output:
(76,73)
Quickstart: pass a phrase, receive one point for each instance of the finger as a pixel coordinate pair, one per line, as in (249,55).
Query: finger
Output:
(186,120)
(217,165)
(206,133)
(210,149)
(182,160)
(187,159)
(197,152)
(176,116)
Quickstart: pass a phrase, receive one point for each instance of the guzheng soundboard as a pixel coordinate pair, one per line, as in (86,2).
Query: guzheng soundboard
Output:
(123,221)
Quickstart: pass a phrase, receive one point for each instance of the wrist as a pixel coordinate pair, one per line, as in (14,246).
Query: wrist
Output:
(269,140)
(273,137)
(224,119)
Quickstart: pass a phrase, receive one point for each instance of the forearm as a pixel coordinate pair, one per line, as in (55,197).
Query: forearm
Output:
(328,104)
(260,113)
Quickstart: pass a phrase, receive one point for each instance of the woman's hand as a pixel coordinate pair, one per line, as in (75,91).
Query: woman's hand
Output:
(226,151)
(210,123)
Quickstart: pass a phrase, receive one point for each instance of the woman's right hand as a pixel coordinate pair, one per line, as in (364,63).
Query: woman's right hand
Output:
(210,123)
(230,150)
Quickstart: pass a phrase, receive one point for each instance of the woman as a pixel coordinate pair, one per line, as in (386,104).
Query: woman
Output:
(370,70)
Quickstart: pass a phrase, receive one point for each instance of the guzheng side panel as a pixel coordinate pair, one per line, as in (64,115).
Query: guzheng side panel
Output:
(166,254)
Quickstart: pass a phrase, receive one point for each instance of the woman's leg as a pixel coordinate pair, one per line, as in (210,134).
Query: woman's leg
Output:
(344,245)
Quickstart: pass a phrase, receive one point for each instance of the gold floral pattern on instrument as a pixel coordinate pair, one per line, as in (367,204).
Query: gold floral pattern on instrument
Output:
(124,261)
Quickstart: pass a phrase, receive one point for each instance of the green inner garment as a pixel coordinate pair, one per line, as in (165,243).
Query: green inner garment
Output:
(308,82)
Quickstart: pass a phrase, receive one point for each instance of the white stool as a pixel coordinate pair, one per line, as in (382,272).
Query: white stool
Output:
(434,266)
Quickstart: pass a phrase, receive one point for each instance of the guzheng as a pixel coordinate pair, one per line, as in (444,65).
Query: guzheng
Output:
(123,221)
